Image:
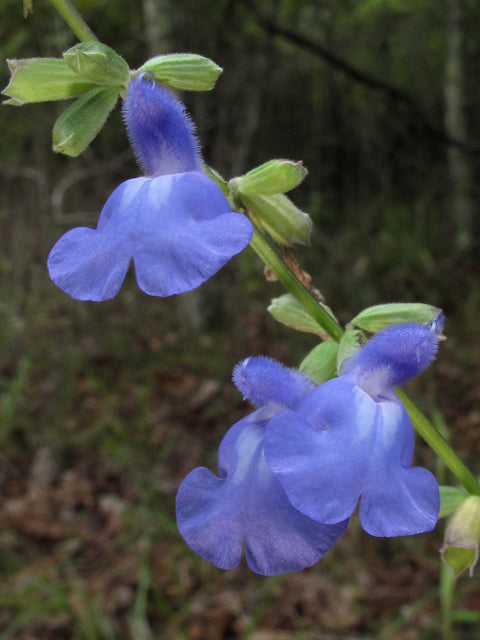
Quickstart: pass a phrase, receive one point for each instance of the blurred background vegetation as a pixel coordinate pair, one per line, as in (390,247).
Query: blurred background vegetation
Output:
(105,407)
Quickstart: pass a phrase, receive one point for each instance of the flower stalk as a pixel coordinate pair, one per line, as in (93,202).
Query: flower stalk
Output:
(74,20)
(293,285)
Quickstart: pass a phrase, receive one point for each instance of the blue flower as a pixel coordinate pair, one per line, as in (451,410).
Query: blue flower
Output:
(176,224)
(351,439)
(246,505)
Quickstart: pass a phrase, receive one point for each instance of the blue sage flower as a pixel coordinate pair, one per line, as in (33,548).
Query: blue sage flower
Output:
(246,506)
(351,439)
(176,224)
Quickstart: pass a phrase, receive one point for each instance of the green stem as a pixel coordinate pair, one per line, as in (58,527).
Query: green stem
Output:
(319,313)
(74,20)
(440,446)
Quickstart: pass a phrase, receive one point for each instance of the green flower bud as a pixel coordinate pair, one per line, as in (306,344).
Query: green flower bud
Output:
(41,80)
(375,318)
(184,71)
(79,124)
(277,215)
(462,537)
(321,363)
(289,312)
(98,63)
(274,176)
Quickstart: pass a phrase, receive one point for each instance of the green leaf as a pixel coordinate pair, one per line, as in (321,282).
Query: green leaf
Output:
(184,71)
(289,312)
(375,318)
(98,63)
(451,498)
(274,176)
(41,80)
(79,124)
(277,215)
(321,363)
(350,343)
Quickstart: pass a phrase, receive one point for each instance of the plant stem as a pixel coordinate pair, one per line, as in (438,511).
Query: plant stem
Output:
(74,20)
(319,313)
(440,446)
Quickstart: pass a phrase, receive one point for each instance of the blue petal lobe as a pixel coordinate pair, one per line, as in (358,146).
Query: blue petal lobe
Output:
(88,265)
(247,506)
(188,233)
(321,453)
(398,499)
(91,264)
(407,505)
(264,380)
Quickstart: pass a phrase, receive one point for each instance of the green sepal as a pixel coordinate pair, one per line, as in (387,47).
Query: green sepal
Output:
(79,124)
(459,559)
(289,312)
(277,215)
(274,176)
(184,71)
(321,363)
(350,343)
(42,80)
(98,63)
(375,318)
(450,499)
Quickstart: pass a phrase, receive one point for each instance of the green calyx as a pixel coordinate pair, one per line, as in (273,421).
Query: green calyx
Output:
(183,71)
(379,316)
(98,63)
(274,176)
(79,124)
(43,80)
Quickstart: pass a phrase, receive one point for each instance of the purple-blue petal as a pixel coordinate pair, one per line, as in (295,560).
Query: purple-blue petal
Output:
(262,380)
(179,230)
(397,499)
(160,131)
(341,446)
(321,452)
(246,507)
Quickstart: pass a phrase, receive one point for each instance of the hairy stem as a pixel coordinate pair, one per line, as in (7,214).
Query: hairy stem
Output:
(74,20)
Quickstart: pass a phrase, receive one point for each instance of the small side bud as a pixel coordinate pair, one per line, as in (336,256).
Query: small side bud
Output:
(78,125)
(274,176)
(277,215)
(183,71)
(462,537)
(42,80)
(98,63)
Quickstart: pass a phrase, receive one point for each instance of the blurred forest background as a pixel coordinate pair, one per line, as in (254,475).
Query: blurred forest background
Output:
(106,407)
